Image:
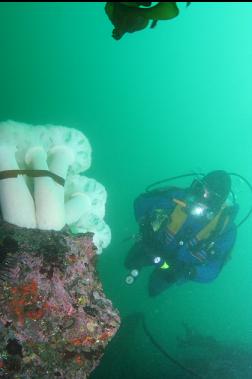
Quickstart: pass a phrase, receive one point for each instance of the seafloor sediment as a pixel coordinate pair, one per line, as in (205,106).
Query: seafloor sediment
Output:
(55,320)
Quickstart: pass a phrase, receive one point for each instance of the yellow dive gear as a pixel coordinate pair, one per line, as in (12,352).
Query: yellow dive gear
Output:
(165,266)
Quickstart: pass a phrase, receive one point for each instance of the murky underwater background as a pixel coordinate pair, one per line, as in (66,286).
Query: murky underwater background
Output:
(158,103)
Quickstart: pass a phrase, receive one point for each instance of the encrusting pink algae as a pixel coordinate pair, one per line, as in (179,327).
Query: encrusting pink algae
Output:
(55,320)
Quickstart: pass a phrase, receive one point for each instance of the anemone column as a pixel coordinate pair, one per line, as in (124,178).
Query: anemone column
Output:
(49,210)
(17,205)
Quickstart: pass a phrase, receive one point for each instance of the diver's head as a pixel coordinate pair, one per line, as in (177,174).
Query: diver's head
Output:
(211,191)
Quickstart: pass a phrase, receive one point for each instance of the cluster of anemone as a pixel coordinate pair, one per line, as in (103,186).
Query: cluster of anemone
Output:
(38,200)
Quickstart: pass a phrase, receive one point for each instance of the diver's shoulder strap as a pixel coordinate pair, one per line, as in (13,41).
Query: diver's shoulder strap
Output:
(177,218)
(217,225)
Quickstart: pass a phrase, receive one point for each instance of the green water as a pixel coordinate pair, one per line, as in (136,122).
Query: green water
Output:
(157,103)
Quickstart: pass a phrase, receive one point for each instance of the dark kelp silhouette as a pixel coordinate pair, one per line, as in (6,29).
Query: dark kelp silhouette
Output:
(129,17)
(193,338)
(215,359)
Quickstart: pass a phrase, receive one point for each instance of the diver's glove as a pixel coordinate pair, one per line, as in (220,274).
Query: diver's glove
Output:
(152,224)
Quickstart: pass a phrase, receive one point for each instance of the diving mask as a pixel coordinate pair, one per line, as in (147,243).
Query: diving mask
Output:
(204,199)
(198,208)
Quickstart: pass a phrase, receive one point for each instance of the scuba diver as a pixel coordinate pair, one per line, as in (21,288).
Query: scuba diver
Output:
(186,233)
(129,17)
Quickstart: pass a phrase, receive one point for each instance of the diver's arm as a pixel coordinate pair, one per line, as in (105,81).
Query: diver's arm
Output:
(146,203)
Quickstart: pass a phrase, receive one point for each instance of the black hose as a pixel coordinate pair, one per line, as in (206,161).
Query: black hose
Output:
(250,187)
(170,179)
(166,354)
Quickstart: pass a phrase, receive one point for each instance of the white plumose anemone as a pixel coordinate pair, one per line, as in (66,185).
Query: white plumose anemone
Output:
(49,210)
(69,151)
(17,205)
(59,150)
(40,201)
(77,185)
(78,204)
(85,200)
